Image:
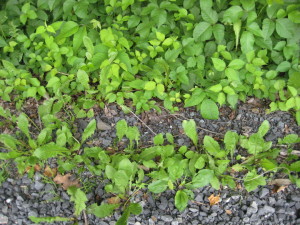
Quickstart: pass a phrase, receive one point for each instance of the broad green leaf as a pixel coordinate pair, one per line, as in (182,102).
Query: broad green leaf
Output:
(209,110)
(121,128)
(159,16)
(88,131)
(264,128)
(219,32)
(253,180)
(202,31)
(200,163)
(210,16)
(202,178)
(268,28)
(9,142)
(79,198)
(295,166)
(158,139)
(294,16)
(67,29)
(127,166)
(233,14)
(181,200)
(215,183)
(124,58)
(150,86)
(247,42)
(236,64)
(248,4)
(23,124)
(121,179)
(102,210)
(48,219)
(216,88)
(158,186)
(133,21)
(189,127)
(83,78)
(230,141)
(291,139)
(283,66)
(88,44)
(237,29)
(206,4)
(211,146)
(49,150)
(219,64)
(135,208)
(285,28)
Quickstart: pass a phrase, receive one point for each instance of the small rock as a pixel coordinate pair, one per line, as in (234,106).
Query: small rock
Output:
(295,198)
(194,210)
(266,209)
(252,209)
(263,192)
(39,186)
(3,219)
(102,125)
(167,218)
(4,209)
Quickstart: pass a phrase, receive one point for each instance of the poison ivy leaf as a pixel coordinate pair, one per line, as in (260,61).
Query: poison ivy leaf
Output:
(89,130)
(158,186)
(219,32)
(285,28)
(83,78)
(189,127)
(268,28)
(236,64)
(253,180)
(79,198)
(219,64)
(181,200)
(102,210)
(247,42)
(203,31)
(209,110)
(67,29)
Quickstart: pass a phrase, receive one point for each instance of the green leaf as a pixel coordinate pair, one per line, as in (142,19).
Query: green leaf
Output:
(295,166)
(48,219)
(252,181)
(264,128)
(209,110)
(133,21)
(219,32)
(23,124)
(236,64)
(79,198)
(67,29)
(202,31)
(283,66)
(102,210)
(233,14)
(135,208)
(230,141)
(247,42)
(189,127)
(181,200)
(121,178)
(211,145)
(206,4)
(150,86)
(219,64)
(158,139)
(83,78)
(202,178)
(124,218)
(268,28)
(49,150)
(159,16)
(89,130)
(88,44)
(158,186)
(121,128)
(124,58)
(210,16)
(285,28)
(200,163)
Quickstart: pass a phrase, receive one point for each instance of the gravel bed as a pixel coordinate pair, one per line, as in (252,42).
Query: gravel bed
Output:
(21,197)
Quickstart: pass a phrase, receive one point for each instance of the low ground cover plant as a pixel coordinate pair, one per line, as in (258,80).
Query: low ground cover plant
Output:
(69,56)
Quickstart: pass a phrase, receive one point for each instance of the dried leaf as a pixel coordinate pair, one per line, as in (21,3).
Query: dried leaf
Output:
(280,182)
(214,199)
(228,211)
(49,172)
(37,167)
(66,181)
(277,189)
(113,200)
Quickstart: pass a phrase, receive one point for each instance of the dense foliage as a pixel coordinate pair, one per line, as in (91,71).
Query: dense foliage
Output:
(79,53)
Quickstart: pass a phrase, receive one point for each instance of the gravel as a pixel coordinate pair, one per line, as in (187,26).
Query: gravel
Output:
(21,197)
